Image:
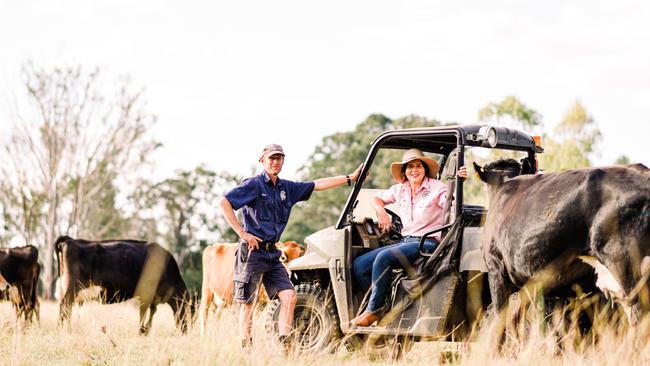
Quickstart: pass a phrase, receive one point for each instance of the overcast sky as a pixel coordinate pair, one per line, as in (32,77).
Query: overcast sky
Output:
(226,78)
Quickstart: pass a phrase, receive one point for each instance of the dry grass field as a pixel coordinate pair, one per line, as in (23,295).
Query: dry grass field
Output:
(108,335)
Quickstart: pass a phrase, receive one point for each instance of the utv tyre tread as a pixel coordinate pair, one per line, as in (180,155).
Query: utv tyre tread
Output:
(310,298)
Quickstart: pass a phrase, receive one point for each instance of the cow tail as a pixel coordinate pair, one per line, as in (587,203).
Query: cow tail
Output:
(57,250)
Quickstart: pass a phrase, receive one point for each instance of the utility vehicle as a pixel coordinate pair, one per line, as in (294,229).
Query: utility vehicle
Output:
(444,294)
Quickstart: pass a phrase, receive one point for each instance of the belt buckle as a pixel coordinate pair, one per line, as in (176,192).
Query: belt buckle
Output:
(268,246)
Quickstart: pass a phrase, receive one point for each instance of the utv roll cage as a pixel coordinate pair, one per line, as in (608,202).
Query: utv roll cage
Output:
(443,140)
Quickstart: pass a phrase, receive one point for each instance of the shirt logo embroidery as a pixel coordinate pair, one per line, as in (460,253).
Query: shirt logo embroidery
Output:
(283,195)
(426,194)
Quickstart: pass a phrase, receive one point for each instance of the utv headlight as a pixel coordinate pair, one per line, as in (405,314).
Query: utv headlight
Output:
(488,135)
(492,137)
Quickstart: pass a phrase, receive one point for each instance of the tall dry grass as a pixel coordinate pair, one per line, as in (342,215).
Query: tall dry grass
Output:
(108,335)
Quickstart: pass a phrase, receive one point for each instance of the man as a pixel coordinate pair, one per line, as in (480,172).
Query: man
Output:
(266,201)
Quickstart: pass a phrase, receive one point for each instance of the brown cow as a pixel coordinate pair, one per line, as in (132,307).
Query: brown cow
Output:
(20,269)
(218,269)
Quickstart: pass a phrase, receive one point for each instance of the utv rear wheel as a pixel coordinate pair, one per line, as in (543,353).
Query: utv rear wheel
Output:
(315,322)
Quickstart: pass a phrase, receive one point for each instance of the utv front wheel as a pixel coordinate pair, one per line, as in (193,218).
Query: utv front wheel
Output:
(315,322)
(378,347)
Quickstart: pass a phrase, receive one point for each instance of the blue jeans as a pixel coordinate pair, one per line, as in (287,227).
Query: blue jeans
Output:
(375,267)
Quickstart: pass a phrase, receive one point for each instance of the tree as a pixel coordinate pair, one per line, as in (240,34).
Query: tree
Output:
(510,112)
(185,215)
(573,143)
(622,160)
(69,146)
(338,154)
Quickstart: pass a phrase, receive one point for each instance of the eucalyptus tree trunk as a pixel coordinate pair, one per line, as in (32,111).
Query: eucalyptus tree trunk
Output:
(48,260)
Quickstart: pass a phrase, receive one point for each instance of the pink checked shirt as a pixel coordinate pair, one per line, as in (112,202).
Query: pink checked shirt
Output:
(421,213)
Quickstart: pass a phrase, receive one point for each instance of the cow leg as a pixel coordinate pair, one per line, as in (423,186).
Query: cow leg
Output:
(31,304)
(65,306)
(22,310)
(143,312)
(152,311)
(613,282)
(500,291)
(28,310)
(16,301)
(220,303)
(37,311)
(32,298)
(206,300)
(500,287)
(20,303)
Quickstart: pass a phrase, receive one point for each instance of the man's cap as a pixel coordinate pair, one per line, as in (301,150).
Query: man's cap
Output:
(272,149)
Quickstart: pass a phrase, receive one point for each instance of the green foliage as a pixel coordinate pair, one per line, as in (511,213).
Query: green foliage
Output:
(562,156)
(185,211)
(74,134)
(510,111)
(192,267)
(22,212)
(577,125)
(474,191)
(574,141)
(102,219)
(622,160)
(338,154)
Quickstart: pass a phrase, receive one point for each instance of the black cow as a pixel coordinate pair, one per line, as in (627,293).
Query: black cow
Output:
(20,269)
(3,283)
(541,229)
(124,269)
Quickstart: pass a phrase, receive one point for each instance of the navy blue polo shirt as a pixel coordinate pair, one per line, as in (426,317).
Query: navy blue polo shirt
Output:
(266,207)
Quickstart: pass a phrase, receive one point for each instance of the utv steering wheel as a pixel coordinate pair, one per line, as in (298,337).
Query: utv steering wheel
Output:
(395,230)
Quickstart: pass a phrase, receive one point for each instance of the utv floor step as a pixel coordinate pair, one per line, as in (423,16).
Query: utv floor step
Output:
(377,330)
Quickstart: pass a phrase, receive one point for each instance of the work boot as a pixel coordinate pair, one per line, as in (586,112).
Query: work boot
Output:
(366,319)
(286,344)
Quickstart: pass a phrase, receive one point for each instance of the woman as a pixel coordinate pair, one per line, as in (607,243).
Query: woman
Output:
(420,200)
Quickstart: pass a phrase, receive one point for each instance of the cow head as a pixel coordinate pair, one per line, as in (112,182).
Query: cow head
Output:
(290,251)
(498,171)
(184,307)
(3,283)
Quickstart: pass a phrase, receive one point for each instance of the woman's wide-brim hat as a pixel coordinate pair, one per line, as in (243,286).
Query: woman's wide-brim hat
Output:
(410,155)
